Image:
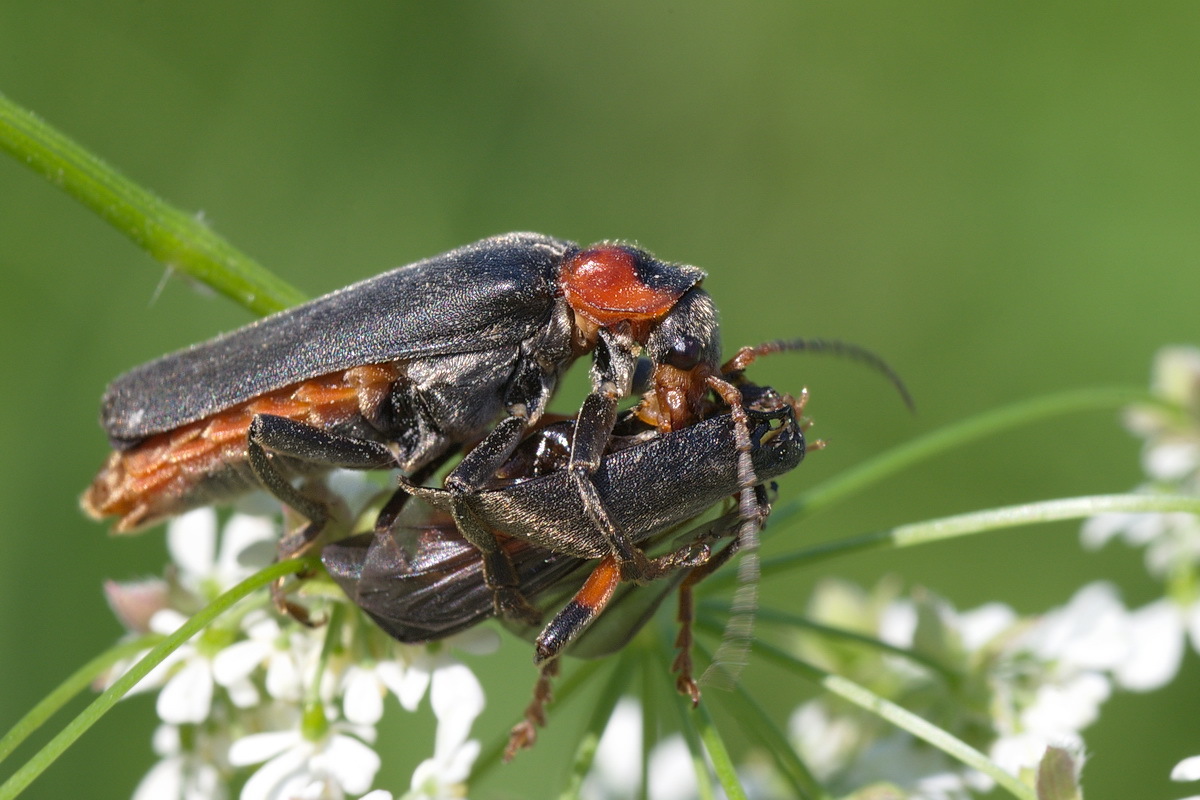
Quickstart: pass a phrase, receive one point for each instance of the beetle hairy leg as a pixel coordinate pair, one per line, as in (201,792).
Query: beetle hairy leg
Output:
(524,733)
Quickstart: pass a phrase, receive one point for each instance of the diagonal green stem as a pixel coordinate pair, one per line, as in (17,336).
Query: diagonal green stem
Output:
(120,687)
(81,679)
(959,434)
(755,721)
(179,240)
(982,522)
(900,717)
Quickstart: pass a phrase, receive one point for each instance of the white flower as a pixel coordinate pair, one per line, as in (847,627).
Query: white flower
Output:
(206,570)
(424,663)
(363,689)
(457,699)
(190,774)
(284,656)
(338,762)
(1187,770)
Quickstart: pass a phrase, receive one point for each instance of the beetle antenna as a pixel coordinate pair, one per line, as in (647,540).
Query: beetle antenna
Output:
(733,653)
(748,355)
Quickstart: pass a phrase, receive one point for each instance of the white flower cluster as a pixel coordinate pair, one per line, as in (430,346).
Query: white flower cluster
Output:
(1008,686)
(267,703)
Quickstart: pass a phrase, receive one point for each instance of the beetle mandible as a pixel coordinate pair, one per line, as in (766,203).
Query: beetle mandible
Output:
(400,371)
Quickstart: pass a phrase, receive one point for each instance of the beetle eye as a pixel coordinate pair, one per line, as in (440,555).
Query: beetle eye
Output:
(684,353)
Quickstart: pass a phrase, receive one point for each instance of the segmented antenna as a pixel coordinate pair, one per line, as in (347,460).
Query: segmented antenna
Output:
(732,654)
(748,355)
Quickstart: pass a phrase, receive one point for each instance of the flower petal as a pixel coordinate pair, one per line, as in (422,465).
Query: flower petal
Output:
(259,747)
(1156,650)
(164,781)
(187,697)
(238,546)
(1187,770)
(192,541)
(283,776)
(236,662)
(457,699)
(362,697)
(351,762)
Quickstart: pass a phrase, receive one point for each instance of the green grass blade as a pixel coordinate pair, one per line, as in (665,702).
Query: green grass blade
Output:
(179,240)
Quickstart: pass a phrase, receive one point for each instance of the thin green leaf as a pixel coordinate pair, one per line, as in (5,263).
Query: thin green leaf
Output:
(900,717)
(80,680)
(977,522)
(120,687)
(651,681)
(179,240)
(989,423)
(718,754)
(754,720)
(585,750)
(687,721)
(775,616)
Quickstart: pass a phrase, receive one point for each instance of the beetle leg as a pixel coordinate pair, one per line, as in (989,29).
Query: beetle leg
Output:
(273,435)
(593,427)
(475,469)
(682,666)
(395,504)
(596,592)
(524,733)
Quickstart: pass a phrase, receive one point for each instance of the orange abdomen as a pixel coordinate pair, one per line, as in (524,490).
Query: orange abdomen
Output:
(205,461)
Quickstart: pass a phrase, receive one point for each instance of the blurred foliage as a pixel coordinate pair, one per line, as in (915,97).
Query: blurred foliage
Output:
(999,198)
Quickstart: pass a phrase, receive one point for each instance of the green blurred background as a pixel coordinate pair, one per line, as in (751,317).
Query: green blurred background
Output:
(1000,198)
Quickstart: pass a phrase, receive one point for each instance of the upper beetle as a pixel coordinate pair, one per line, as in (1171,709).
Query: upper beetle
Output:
(400,370)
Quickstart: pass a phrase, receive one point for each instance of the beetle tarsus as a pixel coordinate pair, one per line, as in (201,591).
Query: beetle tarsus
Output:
(524,733)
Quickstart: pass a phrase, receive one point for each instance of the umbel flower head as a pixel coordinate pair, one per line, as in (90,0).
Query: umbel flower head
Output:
(283,709)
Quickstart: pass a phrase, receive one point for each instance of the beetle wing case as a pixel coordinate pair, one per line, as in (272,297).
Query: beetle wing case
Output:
(492,294)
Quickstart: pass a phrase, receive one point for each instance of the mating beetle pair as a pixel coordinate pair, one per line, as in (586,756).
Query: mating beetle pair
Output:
(403,370)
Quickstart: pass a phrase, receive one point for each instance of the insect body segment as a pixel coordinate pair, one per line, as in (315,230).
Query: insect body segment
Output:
(205,461)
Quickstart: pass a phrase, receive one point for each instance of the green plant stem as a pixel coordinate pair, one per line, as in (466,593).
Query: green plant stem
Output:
(120,687)
(755,721)
(777,617)
(179,240)
(81,679)
(959,434)
(602,711)
(901,718)
(981,522)
(718,754)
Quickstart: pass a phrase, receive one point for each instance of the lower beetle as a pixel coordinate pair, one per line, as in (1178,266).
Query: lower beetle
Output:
(423,580)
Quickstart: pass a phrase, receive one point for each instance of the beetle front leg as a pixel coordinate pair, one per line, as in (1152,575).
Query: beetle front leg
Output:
(475,469)
(270,434)
(592,431)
